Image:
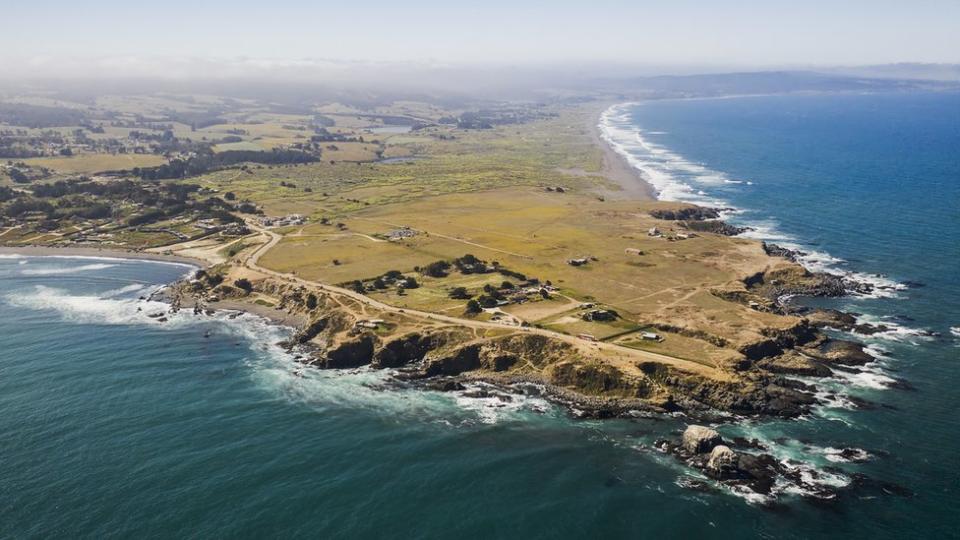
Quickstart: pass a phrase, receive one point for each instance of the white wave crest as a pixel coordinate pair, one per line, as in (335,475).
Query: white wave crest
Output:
(672,176)
(65,270)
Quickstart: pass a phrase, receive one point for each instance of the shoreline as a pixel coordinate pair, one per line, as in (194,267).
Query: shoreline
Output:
(110,253)
(616,167)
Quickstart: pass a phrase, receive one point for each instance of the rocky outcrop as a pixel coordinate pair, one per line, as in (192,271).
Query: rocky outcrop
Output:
(351,353)
(776,341)
(715,226)
(685,213)
(597,379)
(848,322)
(794,363)
(699,439)
(723,462)
(838,351)
(462,359)
(405,350)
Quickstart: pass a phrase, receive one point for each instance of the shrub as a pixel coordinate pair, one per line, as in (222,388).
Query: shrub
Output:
(244,284)
(487,301)
(473,307)
(437,269)
(459,293)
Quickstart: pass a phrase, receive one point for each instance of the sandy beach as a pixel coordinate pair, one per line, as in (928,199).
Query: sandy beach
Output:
(617,169)
(51,251)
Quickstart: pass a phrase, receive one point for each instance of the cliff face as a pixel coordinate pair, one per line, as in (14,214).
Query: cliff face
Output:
(341,335)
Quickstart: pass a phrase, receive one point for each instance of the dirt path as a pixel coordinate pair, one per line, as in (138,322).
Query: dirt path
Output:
(621,355)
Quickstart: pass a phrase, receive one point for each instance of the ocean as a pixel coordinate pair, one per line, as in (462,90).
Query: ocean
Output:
(116,424)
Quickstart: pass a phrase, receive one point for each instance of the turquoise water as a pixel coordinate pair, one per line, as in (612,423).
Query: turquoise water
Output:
(116,425)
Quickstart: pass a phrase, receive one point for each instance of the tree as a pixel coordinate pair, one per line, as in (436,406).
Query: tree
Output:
(379,283)
(473,307)
(410,283)
(487,301)
(311,301)
(357,286)
(506,285)
(19,177)
(437,269)
(244,283)
(459,293)
(230,196)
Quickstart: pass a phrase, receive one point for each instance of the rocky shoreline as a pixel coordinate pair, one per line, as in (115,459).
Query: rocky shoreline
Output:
(449,359)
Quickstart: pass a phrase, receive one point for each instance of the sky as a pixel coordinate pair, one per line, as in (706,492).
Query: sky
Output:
(184,35)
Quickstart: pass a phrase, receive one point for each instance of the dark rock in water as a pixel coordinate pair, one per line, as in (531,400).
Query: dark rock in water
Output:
(778,251)
(760,471)
(914,284)
(895,489)
(445,385)
(901,384)
(855,455)
(870,329)
(741,442)
(694,484)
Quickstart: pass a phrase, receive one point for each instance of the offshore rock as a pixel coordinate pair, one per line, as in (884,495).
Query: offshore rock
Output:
(723,462)
(700,439)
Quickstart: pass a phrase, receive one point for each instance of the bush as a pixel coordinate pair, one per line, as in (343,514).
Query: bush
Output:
(437,269)
(311,301)
(473,307)
(6,194)
(410,283)
(19,177)
(459,293)
(487,301)
(244,284)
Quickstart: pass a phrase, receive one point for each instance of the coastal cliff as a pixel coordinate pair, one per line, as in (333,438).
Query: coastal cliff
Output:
(335,334)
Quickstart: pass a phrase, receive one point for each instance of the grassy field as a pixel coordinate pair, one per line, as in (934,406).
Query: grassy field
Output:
(484,193)
(92,163)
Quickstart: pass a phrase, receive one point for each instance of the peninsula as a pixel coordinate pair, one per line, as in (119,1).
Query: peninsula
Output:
(506,243)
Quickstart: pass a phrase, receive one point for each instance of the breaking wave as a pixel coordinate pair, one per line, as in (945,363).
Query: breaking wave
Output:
(277,369)
(676,178)
(65,270)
